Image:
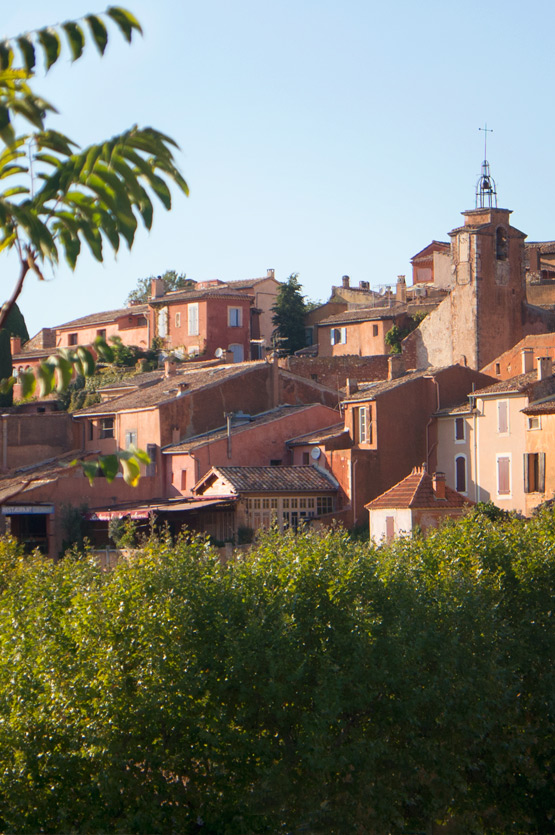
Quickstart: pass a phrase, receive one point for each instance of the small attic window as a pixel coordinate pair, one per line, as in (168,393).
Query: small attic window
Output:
(501,244)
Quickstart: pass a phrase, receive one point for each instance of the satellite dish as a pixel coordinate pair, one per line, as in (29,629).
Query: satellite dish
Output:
(315,453)
(218,353)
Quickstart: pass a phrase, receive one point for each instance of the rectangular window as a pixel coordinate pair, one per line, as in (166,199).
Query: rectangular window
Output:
(106,428)
(534,472)
(323,505)
(503,417)
(534,422)
(460,474)
(183,479)
(503,475)
(459,429)
(102,333)
(306,458)
(178,320)
(72,339)
(275,462)
(265,504)
(362,425)
(374,330)
(151,452)
(130,438)
(234,317)
(192,319)
(273,504)
(91,430)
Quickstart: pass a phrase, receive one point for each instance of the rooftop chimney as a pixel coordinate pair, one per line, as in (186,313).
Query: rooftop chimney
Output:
(401,290)
(438,480)
(534,258)
(351,386)
(15,344)
(169,367)
(527,360)
(545,367)
(395,366)
(157,287)
(345,280)
(271,273)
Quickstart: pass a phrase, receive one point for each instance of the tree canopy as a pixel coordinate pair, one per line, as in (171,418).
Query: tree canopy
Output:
(314,685)
(289,313)
(172,280)
(57,196)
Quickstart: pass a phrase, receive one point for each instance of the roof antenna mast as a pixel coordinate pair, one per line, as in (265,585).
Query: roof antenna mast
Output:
(486,192)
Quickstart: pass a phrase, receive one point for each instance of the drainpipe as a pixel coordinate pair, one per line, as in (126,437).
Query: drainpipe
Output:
(354,488)
(5,442)
(428,425)
(228,416)
(475,443)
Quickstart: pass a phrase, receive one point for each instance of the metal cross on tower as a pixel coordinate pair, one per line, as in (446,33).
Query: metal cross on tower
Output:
(486,192)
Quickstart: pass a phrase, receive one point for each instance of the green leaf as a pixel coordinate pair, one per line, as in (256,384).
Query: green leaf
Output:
(55,141)
(131,471)
(110,466)
(27,49)
(125,20)
(76,39)
(7,384)
(45,376)
(28,384)
(91,469)
(64,371)
(103,350)
(6,55)
(87,361)
(142,456)
(50,42)
(98,31)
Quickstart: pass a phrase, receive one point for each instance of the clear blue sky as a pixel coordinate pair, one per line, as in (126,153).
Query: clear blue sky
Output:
(317,136)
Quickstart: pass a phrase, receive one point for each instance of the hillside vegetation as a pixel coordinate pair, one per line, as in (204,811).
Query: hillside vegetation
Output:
(316,685)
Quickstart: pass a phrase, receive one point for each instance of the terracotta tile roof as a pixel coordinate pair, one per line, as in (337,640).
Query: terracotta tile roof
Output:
(168,388)
(514,385)
(417,491)
(369,391)
(364,314)
(462,408)
(21,481)
(542,407)
(223,291)
(320,436)
(249,282)
(250,422)
(274,479)
(135,381)
(106,316)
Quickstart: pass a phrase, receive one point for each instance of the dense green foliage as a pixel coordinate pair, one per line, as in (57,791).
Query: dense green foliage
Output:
(395,335)
(288,316)
(316,685)
(15,324)
(172,280)
(6,396)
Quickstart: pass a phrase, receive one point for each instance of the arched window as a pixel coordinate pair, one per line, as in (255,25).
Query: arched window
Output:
(460,473)
(501,244)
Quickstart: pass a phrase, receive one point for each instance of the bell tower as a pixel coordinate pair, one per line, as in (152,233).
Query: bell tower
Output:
(489,289)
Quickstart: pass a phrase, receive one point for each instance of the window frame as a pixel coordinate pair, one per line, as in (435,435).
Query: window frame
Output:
(504,456)
(500,430)
(464,491)
(192,319)
(460,422)
(234,313)
(106,428)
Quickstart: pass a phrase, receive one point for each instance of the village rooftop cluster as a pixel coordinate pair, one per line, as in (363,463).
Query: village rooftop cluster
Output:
(345,431)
